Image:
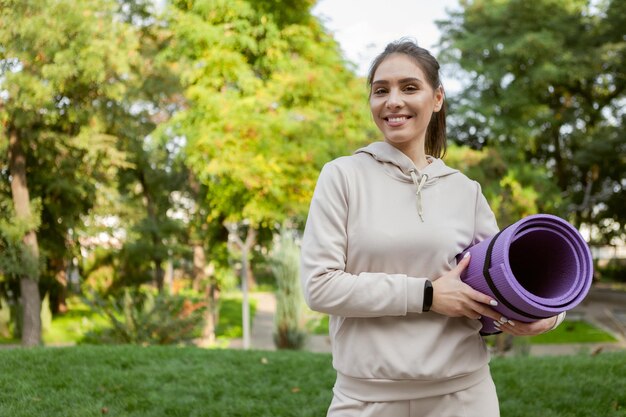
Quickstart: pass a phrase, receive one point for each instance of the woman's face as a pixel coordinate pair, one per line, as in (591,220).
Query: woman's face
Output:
(402,101)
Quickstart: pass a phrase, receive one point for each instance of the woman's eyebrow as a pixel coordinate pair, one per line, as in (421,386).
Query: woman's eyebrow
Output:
(401,81)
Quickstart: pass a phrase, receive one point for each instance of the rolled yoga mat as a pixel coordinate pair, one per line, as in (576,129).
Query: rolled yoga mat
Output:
(535,268)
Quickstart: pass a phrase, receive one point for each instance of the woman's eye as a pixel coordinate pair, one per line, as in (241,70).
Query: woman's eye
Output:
(410,88)
(379,91)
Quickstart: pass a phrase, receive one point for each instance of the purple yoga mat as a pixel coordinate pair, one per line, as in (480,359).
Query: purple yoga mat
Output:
(537,267)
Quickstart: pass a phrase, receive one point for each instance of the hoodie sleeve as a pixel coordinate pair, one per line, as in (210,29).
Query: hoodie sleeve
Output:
(327,287)
(485,224)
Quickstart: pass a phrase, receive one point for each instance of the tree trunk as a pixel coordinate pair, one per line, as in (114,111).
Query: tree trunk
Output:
(210,314)
(61,299)
(202,276)
(158,274)
(30,299)
(199,265)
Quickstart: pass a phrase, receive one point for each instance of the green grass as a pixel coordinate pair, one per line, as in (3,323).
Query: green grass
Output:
(169,381)
(573,331)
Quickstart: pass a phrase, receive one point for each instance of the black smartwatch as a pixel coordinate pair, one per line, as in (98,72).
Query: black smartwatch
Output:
(428,295)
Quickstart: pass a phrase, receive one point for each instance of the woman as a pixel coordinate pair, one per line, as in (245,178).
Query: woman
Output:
(379,255)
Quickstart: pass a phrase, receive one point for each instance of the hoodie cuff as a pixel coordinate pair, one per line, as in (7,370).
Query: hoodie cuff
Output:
(415,294)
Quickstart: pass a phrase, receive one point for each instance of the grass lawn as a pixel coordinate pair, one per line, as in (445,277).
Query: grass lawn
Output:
(573,331)
(169,381)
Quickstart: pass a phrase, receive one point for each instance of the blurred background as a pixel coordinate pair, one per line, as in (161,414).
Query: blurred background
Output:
(157,159)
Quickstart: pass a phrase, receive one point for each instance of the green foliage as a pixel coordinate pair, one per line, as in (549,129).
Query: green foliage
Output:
(514,189)
(63,65)
(547,85)
(318,324)
(285,263)
(17,259)
(613,271)
(269,104)
(173,381)
(141,317)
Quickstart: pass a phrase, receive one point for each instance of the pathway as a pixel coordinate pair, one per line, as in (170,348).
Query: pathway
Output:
(262,332)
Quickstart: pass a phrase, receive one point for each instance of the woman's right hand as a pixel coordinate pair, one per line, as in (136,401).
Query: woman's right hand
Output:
(454,298)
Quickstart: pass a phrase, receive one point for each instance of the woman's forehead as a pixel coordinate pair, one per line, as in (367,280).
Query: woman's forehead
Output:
(398,66)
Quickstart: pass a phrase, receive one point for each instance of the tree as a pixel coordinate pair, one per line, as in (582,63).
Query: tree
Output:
(268,105)
(547,89)
(61,65)
(270,100)
(156,172)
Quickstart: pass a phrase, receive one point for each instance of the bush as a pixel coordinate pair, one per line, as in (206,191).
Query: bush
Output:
(145,318)
(613,271)
(285,261)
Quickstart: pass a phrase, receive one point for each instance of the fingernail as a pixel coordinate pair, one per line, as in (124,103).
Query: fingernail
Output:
(503,319)
(511,323)
(466,255)
(479,317)
(497,324)
(493,303)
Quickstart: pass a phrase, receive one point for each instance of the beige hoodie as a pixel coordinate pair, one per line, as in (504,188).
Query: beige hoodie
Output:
(366,254)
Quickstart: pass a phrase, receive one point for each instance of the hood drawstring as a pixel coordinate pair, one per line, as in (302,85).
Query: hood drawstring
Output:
(419,184)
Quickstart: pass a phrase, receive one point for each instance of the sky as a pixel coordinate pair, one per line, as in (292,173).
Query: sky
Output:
(364,27)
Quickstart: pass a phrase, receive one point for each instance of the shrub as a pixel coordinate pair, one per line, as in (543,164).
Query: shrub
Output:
(145,318)
(613,271)
(285,261)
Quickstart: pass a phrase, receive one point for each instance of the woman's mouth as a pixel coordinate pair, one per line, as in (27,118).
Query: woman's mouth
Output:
(396,121)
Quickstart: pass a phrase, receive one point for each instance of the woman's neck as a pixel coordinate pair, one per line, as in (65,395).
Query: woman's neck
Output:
(415,151)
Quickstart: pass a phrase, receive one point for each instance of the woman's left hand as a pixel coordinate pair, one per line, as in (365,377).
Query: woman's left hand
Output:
(518,328)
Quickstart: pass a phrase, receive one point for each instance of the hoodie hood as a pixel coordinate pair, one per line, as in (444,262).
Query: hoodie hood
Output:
(399,166)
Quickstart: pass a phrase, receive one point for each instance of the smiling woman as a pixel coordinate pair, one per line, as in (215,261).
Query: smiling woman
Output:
(379,256)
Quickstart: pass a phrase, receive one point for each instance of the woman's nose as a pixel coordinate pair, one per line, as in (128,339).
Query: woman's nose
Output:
(394,99)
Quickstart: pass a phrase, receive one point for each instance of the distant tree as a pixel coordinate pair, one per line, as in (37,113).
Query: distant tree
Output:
(62,64)
(547,88)
(155,174)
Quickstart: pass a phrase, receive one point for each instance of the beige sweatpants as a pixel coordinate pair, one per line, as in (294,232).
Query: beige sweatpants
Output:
(479,400)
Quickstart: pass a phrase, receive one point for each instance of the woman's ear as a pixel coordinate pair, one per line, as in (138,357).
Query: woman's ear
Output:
(439,96)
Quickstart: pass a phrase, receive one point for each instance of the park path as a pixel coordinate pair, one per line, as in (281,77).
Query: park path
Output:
(603,308)
(262,331)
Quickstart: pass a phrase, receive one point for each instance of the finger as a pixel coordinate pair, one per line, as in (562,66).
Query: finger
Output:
(487,312)
(463,263)
(480,297)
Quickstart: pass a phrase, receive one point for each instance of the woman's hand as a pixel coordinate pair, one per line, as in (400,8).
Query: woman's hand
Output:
(454,298)
(518,328)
